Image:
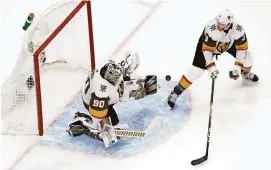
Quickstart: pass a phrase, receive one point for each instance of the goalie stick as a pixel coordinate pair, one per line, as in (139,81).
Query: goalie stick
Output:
(135,133)
(205,157)
(126,133)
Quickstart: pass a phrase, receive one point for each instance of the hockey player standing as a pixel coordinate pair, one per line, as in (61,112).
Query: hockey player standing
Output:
(105,87)
(222,34)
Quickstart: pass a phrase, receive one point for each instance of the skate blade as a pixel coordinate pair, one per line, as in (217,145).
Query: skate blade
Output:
(167,106)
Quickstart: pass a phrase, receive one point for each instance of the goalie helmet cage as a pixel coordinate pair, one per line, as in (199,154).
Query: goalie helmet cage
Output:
(75,8)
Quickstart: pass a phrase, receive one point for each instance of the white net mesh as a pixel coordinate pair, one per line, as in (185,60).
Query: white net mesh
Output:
(68,51)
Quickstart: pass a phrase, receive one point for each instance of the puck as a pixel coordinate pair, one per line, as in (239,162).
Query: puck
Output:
(168,77)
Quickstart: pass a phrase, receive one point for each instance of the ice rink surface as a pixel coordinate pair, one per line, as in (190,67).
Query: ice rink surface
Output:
(165,35)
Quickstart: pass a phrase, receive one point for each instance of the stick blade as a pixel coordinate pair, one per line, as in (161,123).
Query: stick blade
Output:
(199,161)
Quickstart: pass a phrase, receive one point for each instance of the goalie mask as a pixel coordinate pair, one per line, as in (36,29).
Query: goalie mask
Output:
(111,72)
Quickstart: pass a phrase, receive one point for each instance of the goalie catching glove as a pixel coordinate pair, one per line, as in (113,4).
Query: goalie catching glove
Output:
(130,63)
(83,124)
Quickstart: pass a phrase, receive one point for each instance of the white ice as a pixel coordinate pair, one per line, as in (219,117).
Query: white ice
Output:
(240,135)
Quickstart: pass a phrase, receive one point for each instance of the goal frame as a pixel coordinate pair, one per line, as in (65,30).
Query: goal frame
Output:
(47,42)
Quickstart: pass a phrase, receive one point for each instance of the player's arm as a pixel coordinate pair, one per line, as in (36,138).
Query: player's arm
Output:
(98,106)
(86,92)
(208,46)
(241,41)
(208,49)
(241,45)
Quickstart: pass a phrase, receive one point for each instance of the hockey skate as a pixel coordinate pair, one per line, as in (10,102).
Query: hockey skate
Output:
(249,76)
(172,98)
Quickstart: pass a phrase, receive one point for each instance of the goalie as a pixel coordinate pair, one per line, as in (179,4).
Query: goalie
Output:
(106,86)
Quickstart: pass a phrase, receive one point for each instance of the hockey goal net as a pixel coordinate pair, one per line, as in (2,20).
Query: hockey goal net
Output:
(60,39)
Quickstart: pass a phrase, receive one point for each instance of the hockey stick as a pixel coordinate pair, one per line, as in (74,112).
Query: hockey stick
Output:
(134,133)
(205,157)
(123,132)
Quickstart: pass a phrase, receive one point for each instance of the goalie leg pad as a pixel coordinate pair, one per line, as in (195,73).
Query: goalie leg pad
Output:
(139,93)
(151,84)
(146,87)
(140,87)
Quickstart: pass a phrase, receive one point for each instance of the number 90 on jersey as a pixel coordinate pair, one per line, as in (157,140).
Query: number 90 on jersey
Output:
(98,106)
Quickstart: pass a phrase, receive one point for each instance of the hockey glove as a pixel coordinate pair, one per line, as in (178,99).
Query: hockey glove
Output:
(130,63)
(79,125)
(212,70)
(235,72)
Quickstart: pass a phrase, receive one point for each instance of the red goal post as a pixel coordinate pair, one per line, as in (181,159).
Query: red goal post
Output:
(47,41)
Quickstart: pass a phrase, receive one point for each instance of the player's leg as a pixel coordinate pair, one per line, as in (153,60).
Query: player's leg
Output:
(245,63)
(193,73)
